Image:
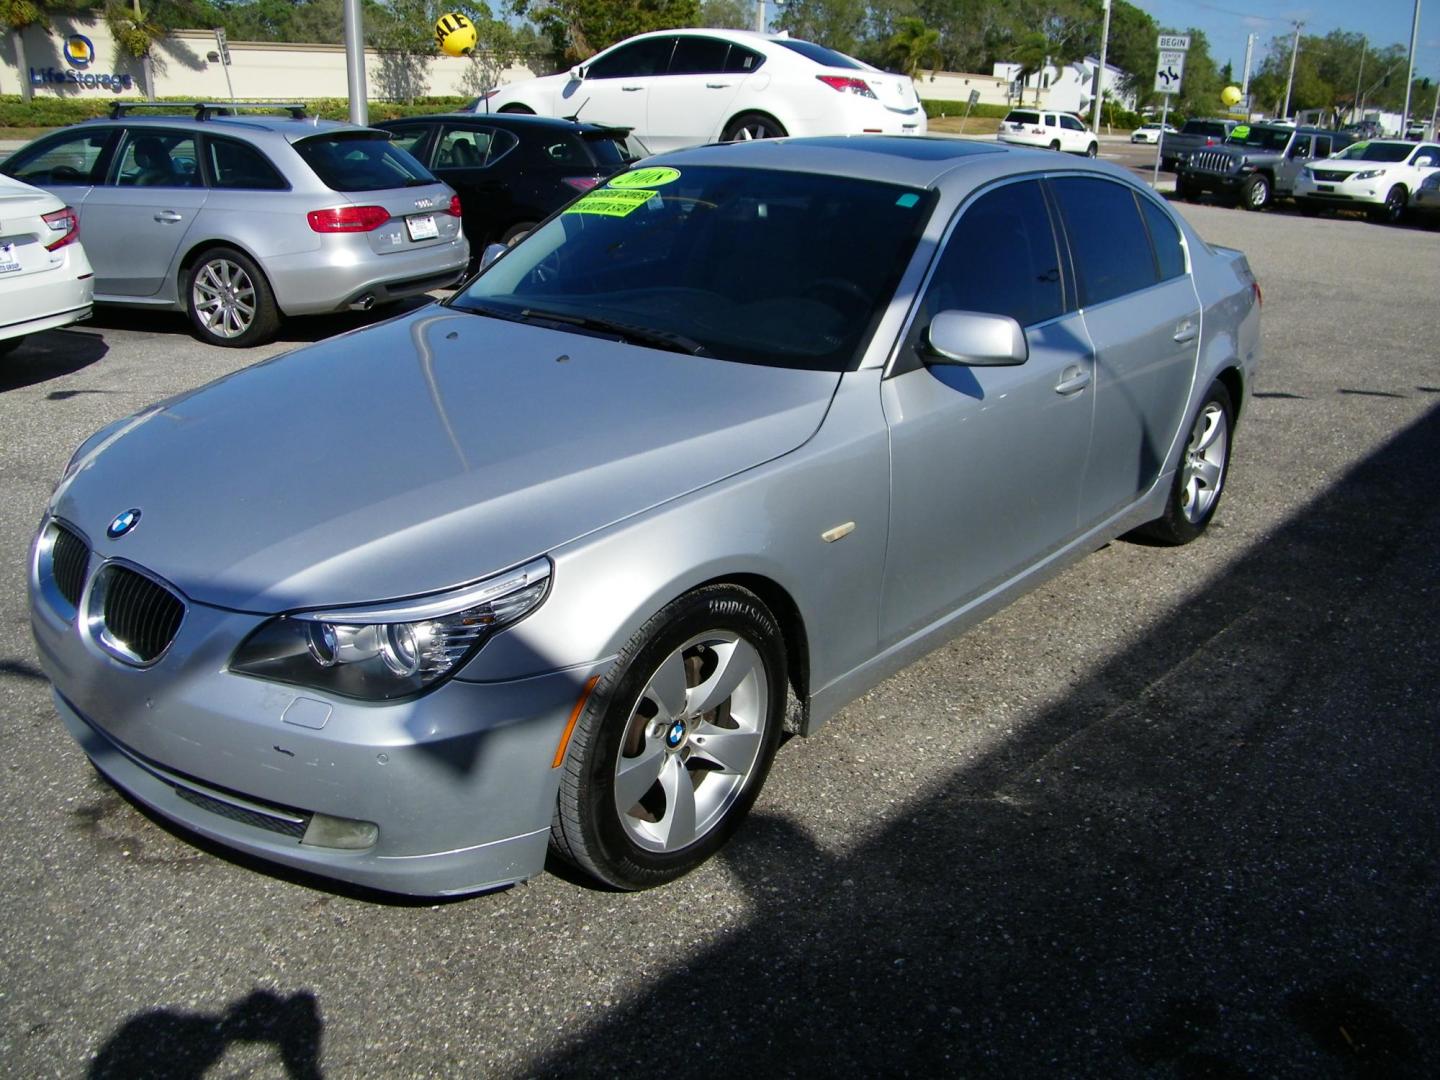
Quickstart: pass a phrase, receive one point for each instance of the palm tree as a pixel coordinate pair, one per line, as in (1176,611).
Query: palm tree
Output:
(912,45)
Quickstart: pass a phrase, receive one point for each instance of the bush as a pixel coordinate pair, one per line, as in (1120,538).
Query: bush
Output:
(957,108)
(58,111)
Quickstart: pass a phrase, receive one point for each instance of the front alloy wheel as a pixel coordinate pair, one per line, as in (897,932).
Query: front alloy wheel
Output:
(1255,192)
(675,742)
(229,301)
(1393,209)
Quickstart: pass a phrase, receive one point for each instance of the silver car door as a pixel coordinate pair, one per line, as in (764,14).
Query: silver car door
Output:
(985,461)
(134,222)
(1143,317)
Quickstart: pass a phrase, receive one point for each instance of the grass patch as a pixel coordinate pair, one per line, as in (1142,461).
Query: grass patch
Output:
(958,125)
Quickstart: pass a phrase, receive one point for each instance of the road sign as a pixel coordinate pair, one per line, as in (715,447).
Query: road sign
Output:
(1168,71)
(1173,42)
(222,44)
(974,98)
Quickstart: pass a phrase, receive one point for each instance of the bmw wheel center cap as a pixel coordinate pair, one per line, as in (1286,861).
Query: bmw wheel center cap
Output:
(676,735)
(123,523)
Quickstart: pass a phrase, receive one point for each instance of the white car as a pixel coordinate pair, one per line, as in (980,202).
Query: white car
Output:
(45,277)
(1057,130)
(1151,133)
(679,88)
(1380,176)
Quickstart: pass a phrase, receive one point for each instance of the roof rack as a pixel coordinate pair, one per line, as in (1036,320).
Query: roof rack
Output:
(205,110)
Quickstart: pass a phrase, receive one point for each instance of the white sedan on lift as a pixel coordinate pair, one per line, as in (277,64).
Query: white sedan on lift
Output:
(45,277)
(678,88)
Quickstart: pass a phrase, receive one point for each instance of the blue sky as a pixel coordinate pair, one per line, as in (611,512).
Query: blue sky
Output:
(1227,23)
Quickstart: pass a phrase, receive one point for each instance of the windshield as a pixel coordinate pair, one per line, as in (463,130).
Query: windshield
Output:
(1260,138)
(787,269)
(1376,151)
(361,161)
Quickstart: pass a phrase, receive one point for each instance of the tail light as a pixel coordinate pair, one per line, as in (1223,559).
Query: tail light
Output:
(1259,299)
(580,183)
(66,224)
(454,210)
(847,85)
(348,219)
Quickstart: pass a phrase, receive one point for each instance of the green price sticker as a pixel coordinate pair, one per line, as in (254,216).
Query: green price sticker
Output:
(652,177)
(1240,131)
(608,203)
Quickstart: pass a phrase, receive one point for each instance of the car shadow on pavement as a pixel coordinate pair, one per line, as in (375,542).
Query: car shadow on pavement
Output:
(1215,856)
(50,355)
(170,1044)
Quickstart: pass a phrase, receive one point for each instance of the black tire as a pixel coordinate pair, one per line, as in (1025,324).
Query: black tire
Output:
(1255,193)
(1309,207)
(1054,144)
(1092,150)
(216,272)
(753,126)
(623,722)
(1392,210)
(517,109)
(515,233)
(1189,510)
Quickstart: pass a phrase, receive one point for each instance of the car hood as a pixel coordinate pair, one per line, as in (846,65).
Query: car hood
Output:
(421,454)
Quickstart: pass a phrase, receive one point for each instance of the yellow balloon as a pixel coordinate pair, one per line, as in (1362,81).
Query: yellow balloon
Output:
(1231,95)
(455,34)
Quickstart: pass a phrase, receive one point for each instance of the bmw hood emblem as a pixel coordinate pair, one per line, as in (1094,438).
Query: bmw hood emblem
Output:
(123,523)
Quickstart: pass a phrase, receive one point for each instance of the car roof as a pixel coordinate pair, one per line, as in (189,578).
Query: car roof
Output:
(910,160)
(289,127)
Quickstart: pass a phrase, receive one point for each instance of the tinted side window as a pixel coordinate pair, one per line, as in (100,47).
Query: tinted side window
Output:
(70,160)
(409,137)
(1166,237)
(1322,146)
(699,56)
(238,165)
(1107,238)
(1001,259)
(742,61)
(1300,148)
(156,158)
(1071,124)
(648,57)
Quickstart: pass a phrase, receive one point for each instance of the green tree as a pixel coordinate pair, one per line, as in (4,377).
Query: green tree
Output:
(16,15)
(912,46)
(578,29)
(838,24)
(727,14)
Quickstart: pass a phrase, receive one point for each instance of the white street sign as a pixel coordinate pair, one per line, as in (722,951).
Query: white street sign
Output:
(1174,42)
(1168,71)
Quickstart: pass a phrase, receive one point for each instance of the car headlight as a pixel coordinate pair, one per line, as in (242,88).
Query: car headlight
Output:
(1368,174)
(387,651)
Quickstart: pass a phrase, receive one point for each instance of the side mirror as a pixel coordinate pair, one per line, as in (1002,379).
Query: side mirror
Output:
(491,253)
(577,73)
(976,340)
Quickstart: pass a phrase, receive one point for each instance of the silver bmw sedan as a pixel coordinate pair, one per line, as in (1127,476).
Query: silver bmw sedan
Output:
(554,563)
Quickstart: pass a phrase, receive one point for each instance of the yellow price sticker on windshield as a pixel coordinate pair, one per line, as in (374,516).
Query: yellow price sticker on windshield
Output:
(611,203)
(655,176)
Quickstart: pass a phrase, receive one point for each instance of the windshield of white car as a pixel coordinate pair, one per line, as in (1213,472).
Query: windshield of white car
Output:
(1376,151)
(787,269)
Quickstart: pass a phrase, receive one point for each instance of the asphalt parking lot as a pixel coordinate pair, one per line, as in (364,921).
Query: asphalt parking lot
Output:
(1177,813)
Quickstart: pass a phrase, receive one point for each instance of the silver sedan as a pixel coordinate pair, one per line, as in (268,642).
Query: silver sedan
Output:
(554,564)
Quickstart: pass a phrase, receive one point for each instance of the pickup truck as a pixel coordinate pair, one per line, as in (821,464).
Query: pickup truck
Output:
(1193,135)
(1257,164)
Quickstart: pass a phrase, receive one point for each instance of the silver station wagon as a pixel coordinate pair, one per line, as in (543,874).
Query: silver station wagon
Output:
(552,564)
(239,220)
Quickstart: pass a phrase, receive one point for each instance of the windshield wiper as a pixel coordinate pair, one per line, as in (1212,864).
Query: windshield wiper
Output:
(472,308)
(636,335)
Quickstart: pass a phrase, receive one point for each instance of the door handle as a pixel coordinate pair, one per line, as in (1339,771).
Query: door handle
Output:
(717,86)
(1186,332)
(169,217)
(1072,381)
(631,89)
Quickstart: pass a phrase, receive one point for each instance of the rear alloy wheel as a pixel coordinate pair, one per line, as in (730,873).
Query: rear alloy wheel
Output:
(1255,192)
(1092,150)
(753,126)
(1200,479)
(516,233)
(229,301)
(1392,210)
(1055,144)
(675,741)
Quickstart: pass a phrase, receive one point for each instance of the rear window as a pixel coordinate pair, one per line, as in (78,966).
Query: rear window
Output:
(1202,127)
(1017,117)
(361,161)
(820,54)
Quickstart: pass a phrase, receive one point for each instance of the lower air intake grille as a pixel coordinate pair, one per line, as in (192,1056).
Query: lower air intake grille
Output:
(141,616)
(69,556)
(286,826)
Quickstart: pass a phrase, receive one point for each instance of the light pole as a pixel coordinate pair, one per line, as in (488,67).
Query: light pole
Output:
(1290,83)
(1100,71)
(355,63)
(1245,80)
(759,16)
(1355,105)
(1410,70)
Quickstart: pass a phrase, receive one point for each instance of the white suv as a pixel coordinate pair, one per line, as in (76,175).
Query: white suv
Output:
(1380,176)
(1057,130)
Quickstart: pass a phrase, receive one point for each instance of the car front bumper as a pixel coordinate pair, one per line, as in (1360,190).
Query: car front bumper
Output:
(1340,193)
(457,783)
